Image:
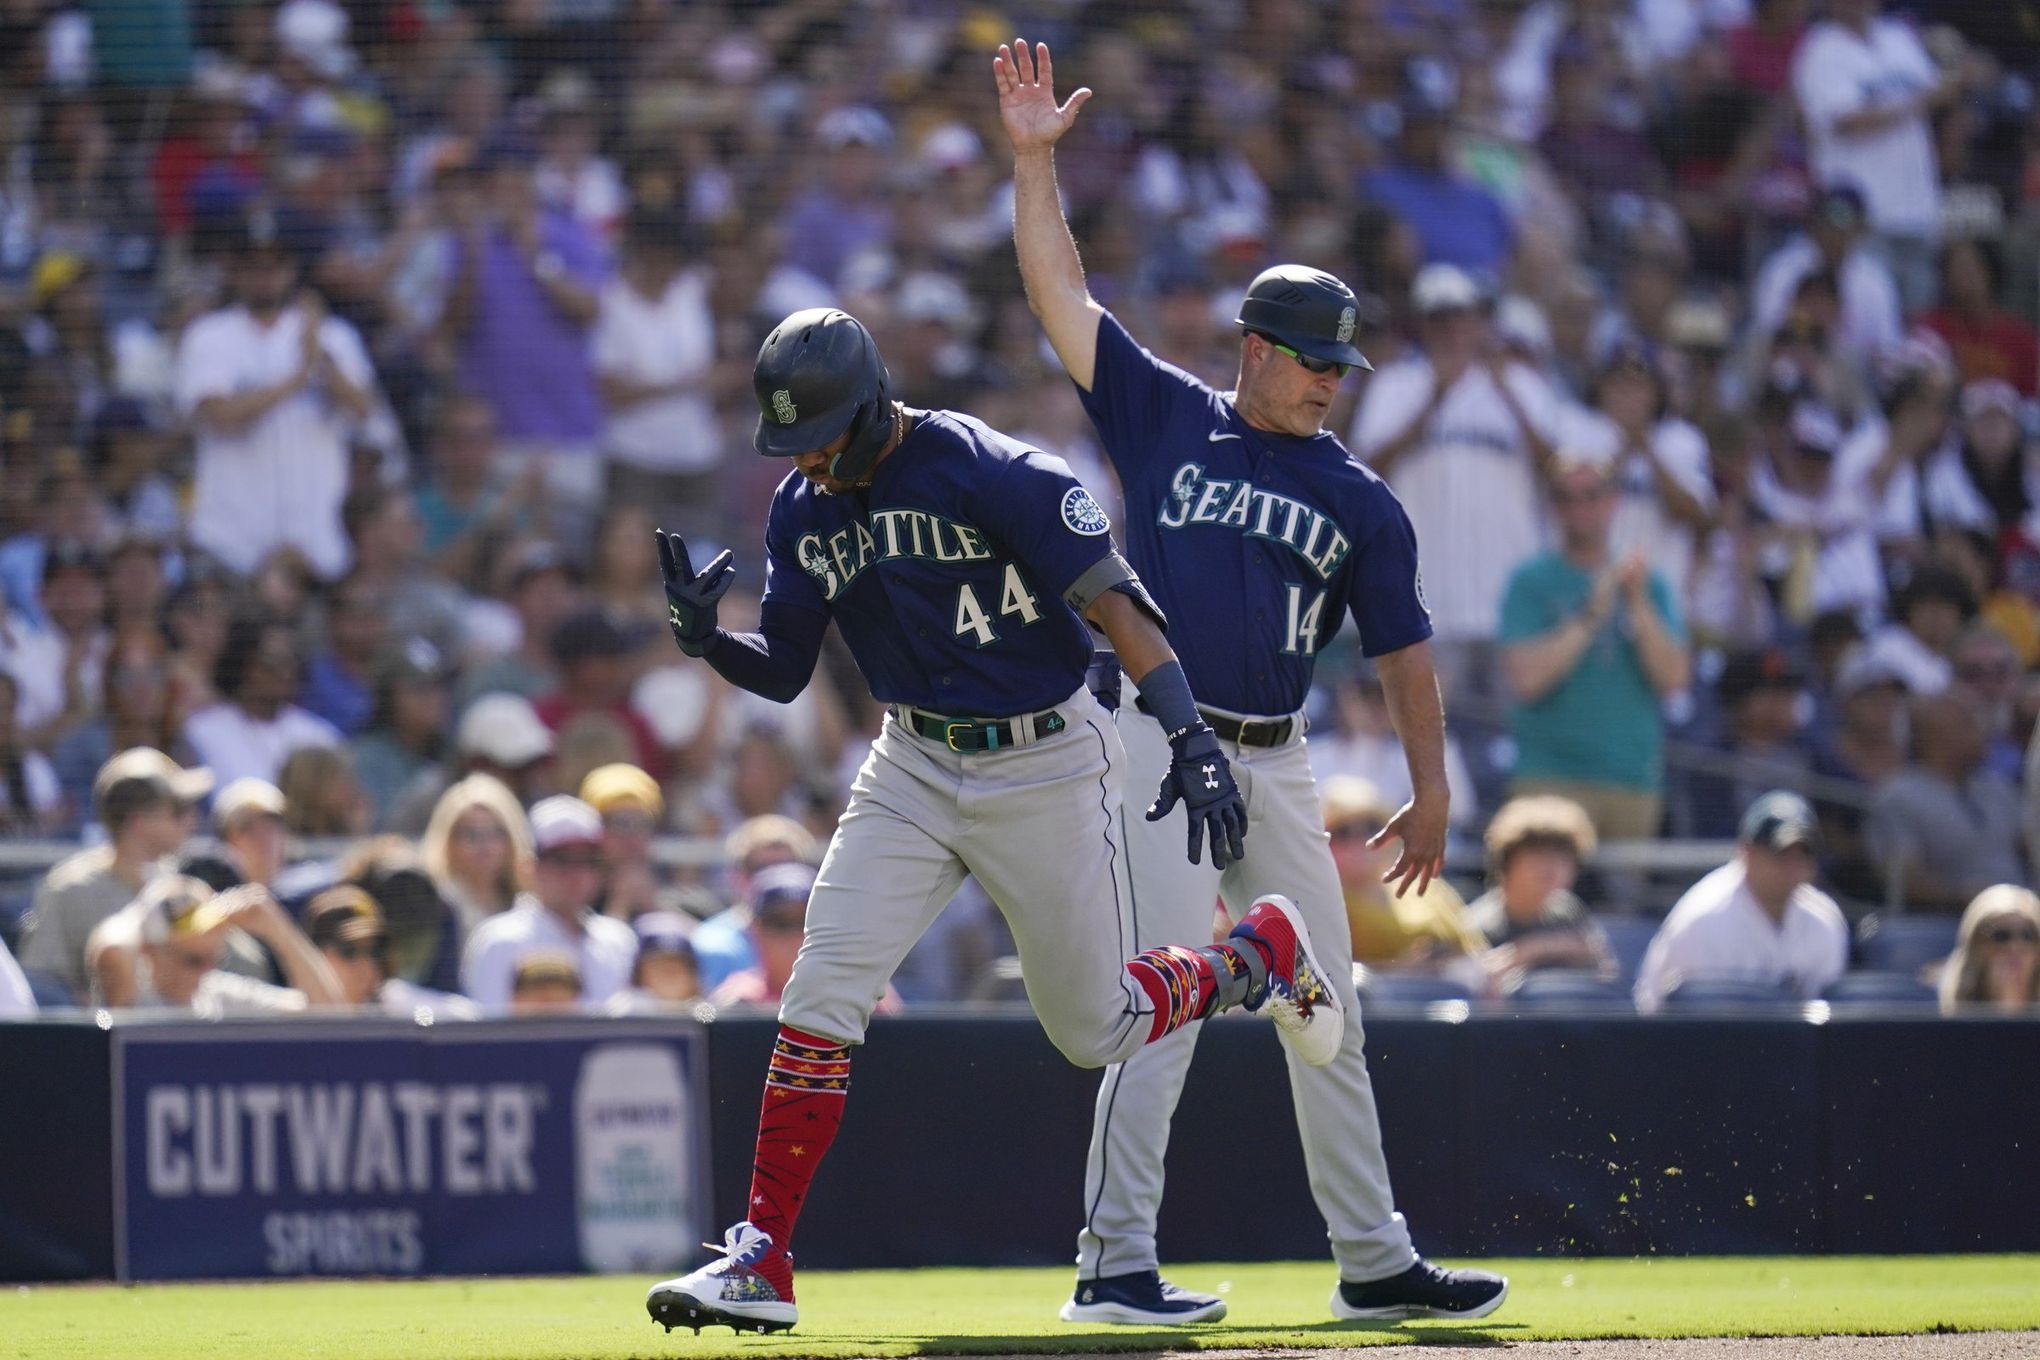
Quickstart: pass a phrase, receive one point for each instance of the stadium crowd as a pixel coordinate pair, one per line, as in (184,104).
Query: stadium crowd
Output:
(350,353)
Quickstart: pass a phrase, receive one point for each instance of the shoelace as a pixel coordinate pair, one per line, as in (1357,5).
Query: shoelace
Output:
(740,1251)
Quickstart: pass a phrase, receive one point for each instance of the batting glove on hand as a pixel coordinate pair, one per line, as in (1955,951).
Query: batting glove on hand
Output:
(691,599)
(1202,781)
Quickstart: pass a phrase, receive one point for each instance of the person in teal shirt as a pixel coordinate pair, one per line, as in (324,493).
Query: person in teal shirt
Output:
(1591,644)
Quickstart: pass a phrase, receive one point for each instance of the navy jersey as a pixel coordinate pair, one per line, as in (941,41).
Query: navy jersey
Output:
(1260,544)
(948,574)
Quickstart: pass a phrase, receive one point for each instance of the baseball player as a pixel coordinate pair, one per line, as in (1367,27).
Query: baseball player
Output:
(1259,534)
(962,569)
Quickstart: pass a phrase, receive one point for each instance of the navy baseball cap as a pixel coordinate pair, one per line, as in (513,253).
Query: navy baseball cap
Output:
(1780,820)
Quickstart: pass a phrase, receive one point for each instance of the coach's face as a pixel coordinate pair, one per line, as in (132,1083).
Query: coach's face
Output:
(1277,393)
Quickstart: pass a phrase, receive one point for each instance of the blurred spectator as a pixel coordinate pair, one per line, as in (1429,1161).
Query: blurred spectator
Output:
(654,346)
(470,505)
(477,848)
(424,936)
(571,173)
(273,387)
(666,976)
(181,932)
(74,603)
(499,736)
(1458,221)
(320,793)
(595,654)
(545,984)
(31,800)
(1996,963)
(346,926)
(1756,919)
(777,904)
(1590,646)
(247,816)
(135,710)
(523,301)
(1927,617)
(128,455)
(1364,745)
(1947,827)
(1989,340)
(843,211)
(200,612)
(256,726)
(144,799)
(631,806)
(339,684)
(1866,88)
(723,942)
(623,577)
(408,726)
(557,917)
(1761,695)
(17,998)
(1530,918)
(1988,668)
(1834,243)
(1664,484)
(1866,747)
(1438,422)
(389,558)
(1427,930)
(539,587)
(1977,481)
(1822,500)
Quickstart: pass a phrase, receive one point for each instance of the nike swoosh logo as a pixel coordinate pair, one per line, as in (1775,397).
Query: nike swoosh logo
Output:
(1217,435)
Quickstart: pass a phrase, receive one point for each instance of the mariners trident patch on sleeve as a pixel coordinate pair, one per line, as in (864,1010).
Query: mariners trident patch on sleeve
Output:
(1082,513)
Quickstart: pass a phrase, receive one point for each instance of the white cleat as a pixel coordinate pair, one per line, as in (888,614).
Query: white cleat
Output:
(1305,1006)
(725,1293)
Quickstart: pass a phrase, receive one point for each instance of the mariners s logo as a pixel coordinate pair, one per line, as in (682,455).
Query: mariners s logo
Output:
(1348,318)
(1082,513)
(782,407)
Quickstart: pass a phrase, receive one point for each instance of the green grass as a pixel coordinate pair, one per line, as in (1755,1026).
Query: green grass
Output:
(935,1312)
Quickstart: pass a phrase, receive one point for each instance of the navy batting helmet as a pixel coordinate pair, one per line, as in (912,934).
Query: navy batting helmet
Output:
(818,376)
(1306,309)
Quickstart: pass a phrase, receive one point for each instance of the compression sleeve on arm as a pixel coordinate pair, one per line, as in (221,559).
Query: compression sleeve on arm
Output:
(776,661)
(1165,691)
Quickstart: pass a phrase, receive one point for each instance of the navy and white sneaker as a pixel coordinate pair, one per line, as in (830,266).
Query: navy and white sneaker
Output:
(1422,1291)
(725,1293)
(1142,1299)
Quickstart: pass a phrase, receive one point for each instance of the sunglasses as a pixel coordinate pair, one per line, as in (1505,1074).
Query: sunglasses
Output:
(353,950)
(572,861)
(1311,363)
(480,835)
(2008,934)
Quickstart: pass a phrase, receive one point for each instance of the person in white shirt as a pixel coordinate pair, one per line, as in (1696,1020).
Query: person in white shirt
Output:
(654,351)
(17,999)
(556,919)
(256,727)
(1833,242)
(1660,463)
(1866,88)
(1757,919)
(1434,425)
(173,953)
(273,387)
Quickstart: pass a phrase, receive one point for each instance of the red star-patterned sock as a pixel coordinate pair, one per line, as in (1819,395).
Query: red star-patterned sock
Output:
(1185,984)
(805,1088)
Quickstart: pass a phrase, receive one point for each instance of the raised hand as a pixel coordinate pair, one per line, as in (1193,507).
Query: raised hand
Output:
(690,598)
(1034,121)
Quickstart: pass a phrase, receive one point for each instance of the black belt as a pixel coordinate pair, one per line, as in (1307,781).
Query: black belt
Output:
(970,735)
(1242,731)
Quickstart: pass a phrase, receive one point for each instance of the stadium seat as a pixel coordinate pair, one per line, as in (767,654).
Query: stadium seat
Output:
(1628,938)
(1408,991)
(1868,990)
(1903,944)
(1724,995)
(1569,989)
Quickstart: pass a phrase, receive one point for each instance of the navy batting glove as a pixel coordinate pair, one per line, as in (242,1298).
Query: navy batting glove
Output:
(1200,778)
(691,599)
